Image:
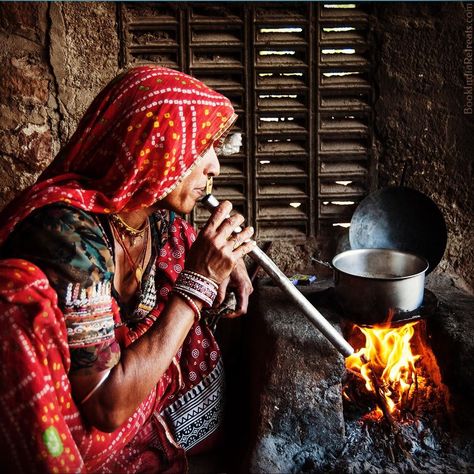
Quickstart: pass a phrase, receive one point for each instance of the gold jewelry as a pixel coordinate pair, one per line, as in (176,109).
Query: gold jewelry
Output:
(209,185)
(236,243)
(137,266)
(129,231)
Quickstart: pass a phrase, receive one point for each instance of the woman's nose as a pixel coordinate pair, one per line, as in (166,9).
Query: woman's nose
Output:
(213,167)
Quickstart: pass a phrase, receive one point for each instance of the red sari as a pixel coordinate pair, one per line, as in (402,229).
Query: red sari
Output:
(141,136)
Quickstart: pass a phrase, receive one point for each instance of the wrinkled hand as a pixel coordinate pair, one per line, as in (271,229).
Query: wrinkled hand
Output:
(216,251)
(240,283)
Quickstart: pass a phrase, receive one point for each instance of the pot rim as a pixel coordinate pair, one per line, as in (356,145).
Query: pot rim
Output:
(380,277)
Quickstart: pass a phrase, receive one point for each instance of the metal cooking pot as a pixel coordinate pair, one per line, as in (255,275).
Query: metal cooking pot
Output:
(373,284)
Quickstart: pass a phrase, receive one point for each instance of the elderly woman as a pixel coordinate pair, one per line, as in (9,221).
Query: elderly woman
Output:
(106,364)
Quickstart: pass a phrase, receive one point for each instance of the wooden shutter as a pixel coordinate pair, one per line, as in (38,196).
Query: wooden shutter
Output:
(283,43)
(346,168)
(218,56)
(298,75)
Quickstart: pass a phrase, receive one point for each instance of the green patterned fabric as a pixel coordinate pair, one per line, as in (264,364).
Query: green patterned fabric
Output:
(71,247)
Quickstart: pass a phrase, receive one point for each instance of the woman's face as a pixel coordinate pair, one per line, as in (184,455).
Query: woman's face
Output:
(192,188)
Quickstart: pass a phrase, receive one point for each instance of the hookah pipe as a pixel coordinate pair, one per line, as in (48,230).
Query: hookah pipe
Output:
(279,278)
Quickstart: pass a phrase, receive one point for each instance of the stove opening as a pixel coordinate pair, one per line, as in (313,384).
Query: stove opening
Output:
(393,391)
(395,369)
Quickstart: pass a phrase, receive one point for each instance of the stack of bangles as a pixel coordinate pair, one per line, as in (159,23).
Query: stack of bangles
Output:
(191,285)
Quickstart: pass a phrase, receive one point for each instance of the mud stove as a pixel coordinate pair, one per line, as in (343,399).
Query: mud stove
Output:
(297,406)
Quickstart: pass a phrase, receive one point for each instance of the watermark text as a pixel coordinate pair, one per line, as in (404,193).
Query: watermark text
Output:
(467,62)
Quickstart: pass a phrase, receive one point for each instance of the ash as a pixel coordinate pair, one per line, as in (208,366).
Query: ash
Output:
(369,448)
(425,442)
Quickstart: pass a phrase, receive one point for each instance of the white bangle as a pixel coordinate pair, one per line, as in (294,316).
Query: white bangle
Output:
(94,389)
(209,280)
(196,285)
(190,302)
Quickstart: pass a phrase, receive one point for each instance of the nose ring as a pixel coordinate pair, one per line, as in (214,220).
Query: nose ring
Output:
(209,185)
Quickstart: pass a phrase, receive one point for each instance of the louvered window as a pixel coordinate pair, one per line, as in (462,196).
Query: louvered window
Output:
(299,76)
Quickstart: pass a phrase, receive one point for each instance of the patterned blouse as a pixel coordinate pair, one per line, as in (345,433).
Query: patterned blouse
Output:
(75,250)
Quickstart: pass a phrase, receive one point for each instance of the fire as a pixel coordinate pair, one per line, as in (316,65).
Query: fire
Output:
(387,365)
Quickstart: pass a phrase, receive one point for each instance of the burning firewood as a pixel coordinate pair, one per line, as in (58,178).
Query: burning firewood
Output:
(386,364)
(388,368)
(381,402)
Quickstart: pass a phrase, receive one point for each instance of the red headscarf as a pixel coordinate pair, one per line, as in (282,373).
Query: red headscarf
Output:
(139,138)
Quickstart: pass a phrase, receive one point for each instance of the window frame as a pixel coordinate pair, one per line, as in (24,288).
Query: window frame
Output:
(336,125)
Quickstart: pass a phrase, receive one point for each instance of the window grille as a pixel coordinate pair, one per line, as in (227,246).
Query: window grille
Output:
(299,76)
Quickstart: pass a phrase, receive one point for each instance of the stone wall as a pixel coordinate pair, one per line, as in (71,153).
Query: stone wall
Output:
(419,117)
(26,132)
(296,420)
(56,56)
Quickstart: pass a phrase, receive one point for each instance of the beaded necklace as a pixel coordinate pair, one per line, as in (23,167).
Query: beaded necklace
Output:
(122,227)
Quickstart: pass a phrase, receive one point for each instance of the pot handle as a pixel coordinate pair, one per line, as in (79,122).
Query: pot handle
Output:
(322,262)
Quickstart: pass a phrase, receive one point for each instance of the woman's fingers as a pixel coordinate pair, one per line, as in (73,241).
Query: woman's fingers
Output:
(242,288)
(245,248)
(238,239)
(230,224)
(220,214)
(217,249)
(221,292)
(221,224)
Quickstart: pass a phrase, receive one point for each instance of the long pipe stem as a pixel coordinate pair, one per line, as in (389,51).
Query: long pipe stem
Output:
(279,278)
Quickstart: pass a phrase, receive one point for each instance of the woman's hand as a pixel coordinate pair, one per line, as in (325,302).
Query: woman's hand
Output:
(238,281)
(217,250)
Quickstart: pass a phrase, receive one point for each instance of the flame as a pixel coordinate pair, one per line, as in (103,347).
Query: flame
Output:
(387,360)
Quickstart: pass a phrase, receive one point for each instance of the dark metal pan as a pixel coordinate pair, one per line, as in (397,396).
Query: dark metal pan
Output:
(400,218)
